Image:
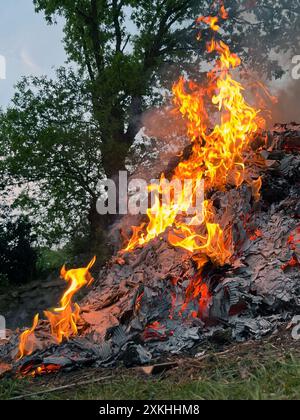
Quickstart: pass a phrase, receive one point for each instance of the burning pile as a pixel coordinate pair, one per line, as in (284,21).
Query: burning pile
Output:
(190,272)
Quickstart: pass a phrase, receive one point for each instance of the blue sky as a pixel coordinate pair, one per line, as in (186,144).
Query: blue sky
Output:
(28,44)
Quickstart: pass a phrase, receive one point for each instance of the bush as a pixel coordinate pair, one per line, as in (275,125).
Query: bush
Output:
(50,261)
(17,255)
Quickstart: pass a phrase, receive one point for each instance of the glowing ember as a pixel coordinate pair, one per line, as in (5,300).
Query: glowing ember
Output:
(292,263)
(32,371)
(197,290)
(294,239)
(155,331)
(218,159)
(257,234)
(294,244)
(138,302)
(63,320)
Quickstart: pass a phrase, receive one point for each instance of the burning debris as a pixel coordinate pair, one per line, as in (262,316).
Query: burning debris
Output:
(155,301)
(230,272)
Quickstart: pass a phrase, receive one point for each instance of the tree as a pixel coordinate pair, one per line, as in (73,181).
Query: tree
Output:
(62,136)
(124,61)
(52,155)
(121,64)
(261,32)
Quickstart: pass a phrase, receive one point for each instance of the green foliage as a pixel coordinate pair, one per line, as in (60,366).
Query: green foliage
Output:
(17,255)
(4,282)
(58,138)
(122,59)
(50,261)
(151,34)
(52,152)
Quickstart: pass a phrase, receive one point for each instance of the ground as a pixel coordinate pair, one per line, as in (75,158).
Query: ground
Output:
(261,370)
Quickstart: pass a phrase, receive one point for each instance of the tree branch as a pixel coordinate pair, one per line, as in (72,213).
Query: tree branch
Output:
(86,54)
(164,27)
(117,7)
(126,43)
(95,34)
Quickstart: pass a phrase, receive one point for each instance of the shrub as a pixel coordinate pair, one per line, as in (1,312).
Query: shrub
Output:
(17,255)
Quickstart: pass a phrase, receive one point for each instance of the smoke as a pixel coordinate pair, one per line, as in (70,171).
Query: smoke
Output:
(287,108)
(162,138)
(164,123)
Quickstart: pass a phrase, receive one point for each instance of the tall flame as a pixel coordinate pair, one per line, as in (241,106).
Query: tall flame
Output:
(217,159)
(27,339)
(63,320)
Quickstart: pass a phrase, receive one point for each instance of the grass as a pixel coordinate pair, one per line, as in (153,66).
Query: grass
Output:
(275,381)
(267,375)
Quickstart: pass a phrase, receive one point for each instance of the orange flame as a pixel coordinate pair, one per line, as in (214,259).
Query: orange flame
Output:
(218,158)
(63,320)
(211,21)
(199,290)
(256,188)
(27,339)
(223,12)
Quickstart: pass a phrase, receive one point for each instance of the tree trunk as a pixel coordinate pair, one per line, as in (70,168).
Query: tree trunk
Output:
(99,228)
(116,144)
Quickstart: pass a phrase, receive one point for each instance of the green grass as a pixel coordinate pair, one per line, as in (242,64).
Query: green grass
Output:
(247,379)
(9,388)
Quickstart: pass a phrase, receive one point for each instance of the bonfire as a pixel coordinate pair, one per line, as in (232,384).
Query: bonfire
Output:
(190,272)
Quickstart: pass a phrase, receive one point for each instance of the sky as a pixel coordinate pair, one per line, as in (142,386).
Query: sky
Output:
(28,45)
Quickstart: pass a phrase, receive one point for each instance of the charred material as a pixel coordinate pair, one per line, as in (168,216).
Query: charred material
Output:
(136,311)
